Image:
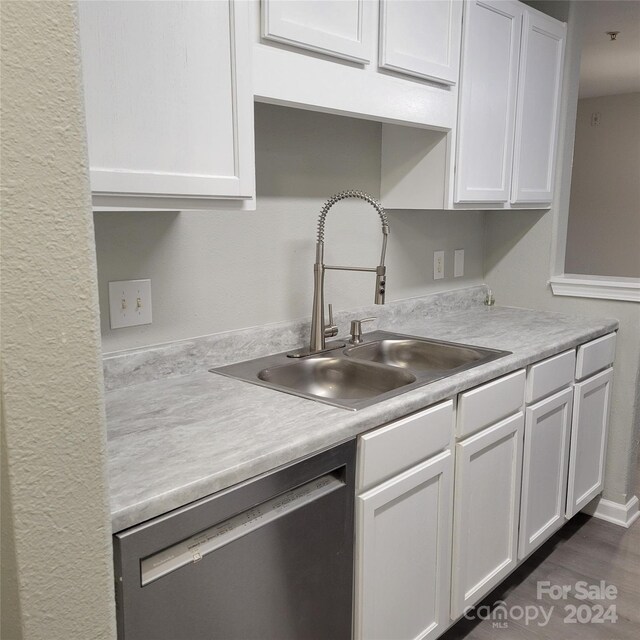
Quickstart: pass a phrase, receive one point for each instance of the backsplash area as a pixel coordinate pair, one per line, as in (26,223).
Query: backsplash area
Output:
(126,368)
(214,271)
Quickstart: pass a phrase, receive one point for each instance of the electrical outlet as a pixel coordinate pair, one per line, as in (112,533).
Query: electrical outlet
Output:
(458,263)
(129,303)
(438,265)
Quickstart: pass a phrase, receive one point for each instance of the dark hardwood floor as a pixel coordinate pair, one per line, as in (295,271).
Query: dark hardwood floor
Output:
(585,549)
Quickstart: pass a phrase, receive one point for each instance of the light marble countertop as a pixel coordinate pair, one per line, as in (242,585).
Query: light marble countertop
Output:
(177,439)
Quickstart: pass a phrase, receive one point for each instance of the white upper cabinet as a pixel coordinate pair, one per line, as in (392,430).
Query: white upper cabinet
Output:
(511,80)
(340,28)
(505,137)
(354,58)
(421,39)
(489,78)
(169,107)
(538,108)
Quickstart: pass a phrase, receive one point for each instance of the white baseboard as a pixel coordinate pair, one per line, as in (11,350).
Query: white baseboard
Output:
(623,515)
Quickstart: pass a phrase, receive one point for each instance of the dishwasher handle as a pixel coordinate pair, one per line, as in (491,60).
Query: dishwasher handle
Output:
(193,549)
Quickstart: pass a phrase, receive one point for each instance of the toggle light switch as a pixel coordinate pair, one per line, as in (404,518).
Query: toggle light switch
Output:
(129,303)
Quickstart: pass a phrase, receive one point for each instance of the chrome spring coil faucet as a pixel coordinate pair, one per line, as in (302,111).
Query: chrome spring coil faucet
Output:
(319,330)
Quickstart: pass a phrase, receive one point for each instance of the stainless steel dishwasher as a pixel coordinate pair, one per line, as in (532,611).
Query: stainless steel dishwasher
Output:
(271,558)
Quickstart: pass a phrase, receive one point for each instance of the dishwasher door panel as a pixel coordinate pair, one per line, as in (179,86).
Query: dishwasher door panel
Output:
(289,576)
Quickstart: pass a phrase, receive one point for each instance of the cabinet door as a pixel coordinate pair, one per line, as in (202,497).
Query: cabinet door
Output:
(589,427)
(169,104)
(421,39)
(488,83)
(538,108)
(403,556)
(544,470)
(339,28)
(486,511)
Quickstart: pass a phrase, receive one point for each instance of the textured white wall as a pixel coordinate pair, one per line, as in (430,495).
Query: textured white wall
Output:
(523,249)
(603,237)
(55,524)
(220,270)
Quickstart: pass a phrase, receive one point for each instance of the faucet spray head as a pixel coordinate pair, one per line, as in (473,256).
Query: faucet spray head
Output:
(380,285)
(381,270)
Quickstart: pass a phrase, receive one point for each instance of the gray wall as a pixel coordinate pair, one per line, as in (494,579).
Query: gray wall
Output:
(604,214)
(57,578)
(522,249)
(220,270)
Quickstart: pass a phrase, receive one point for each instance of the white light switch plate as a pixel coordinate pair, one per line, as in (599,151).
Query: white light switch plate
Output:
(458,263)
(129,303)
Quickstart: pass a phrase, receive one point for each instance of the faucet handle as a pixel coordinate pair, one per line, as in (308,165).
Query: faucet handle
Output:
(330,330)
(356,329)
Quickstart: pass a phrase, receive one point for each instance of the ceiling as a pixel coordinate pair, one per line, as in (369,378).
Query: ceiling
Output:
(608,68)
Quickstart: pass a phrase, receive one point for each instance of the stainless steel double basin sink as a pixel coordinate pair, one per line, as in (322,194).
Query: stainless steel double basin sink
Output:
(382,366)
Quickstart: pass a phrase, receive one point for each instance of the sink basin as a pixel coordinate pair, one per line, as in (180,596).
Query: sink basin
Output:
(382,367)
(418,355)
(337,378)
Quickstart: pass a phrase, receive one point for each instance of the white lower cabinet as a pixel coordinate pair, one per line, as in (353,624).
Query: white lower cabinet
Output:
(544,470)
(589,428)
(437,530)
(486,512)
(403,554)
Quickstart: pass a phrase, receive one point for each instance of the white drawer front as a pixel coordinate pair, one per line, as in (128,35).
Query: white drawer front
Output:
(485,405)
(595,355)
(550,375)
(389,450)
